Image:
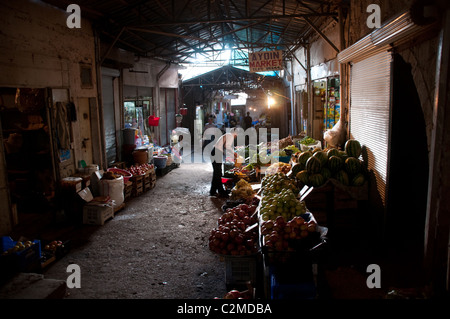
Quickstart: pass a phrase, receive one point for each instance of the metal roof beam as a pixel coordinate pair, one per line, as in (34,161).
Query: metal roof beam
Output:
(233,20)
(322,35)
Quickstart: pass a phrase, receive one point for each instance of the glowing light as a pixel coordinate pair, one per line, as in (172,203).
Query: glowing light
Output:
(270,101)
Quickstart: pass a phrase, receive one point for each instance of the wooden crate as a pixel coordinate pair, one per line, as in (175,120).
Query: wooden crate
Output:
(127,190)
(138,185)
(326,201)
(137,191)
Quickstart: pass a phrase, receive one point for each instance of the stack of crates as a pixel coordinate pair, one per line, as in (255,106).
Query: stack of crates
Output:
(138,185)
(149,179)
(127,190)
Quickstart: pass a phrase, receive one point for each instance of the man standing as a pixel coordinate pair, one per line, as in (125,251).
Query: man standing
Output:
(223,148)
(248,122)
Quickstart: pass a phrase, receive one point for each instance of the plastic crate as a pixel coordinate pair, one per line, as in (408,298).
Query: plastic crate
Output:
(25,260)
(239,270)
(97,214)
(306,290)
(292,281)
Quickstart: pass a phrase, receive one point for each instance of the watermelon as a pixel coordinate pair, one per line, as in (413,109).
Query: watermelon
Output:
(296,168)
(343,155)
(316,180)
(313,165)
(333,152)
(335,163)
(358,180)
(342,177)
(353,148)
(303,177)
(326,173)
(303,158)
(352,166)
(322,156)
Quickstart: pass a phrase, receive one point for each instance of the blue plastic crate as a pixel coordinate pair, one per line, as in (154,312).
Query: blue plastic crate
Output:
(296,290)
(24,260)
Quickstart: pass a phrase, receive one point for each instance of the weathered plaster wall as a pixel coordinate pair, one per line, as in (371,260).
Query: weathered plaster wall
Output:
(38,50)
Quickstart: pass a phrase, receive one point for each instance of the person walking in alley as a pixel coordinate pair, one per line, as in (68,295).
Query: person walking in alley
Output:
(248,122)
(222,148)
(209,125)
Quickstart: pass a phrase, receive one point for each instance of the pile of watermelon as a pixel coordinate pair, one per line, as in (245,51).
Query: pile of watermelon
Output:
(314,168)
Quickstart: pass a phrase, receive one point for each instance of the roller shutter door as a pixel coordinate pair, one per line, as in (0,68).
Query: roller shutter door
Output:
(369,113)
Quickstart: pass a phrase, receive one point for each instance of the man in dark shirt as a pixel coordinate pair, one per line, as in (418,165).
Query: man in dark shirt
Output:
(248,121)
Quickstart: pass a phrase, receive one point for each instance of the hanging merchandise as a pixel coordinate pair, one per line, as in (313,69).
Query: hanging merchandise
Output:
(332,105)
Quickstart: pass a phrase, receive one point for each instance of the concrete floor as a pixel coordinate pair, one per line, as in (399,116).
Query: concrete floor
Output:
(157,247)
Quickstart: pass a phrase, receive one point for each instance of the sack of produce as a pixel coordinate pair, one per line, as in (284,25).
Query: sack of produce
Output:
(112,185)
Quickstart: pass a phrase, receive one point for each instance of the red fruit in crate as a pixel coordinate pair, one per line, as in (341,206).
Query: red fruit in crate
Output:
(251,209)
(244,207)
(239,239)
(280,220)
(233,294)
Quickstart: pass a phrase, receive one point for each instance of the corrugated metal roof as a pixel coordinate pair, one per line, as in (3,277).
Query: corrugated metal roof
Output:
(177,29)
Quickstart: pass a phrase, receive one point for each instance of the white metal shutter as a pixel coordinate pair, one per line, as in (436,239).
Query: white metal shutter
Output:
(370,96)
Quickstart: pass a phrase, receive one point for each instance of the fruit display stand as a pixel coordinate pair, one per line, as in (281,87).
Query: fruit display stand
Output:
(290,271)
(290,238)
(235,241)
(339,180)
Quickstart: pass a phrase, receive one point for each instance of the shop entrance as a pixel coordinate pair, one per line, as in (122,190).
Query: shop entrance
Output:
(408,176)
(326,106)
(27,150)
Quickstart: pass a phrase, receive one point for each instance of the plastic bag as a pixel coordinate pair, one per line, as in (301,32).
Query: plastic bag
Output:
(335,137)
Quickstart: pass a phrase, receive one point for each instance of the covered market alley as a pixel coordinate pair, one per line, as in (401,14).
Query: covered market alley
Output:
(334,187)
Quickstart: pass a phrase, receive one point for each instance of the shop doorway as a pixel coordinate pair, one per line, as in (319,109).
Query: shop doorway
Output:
(28,153)
(408,171)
